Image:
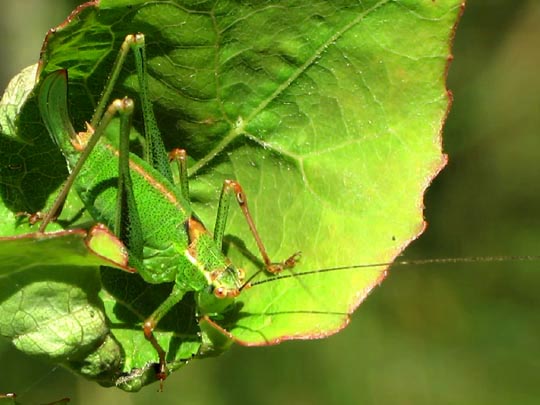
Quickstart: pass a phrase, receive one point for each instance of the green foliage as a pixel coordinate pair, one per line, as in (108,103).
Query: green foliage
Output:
(329,117)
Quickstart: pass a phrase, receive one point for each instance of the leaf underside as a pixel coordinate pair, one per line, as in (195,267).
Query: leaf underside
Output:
(328,113)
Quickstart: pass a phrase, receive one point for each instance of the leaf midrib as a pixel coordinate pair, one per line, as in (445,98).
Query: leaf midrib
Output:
(236,131)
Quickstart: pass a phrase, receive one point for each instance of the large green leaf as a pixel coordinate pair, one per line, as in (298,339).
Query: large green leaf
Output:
(328,113)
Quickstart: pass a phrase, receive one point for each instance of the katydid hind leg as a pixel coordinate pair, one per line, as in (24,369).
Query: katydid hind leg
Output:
(53,107)
(111,81)
(229,189)
(155,152)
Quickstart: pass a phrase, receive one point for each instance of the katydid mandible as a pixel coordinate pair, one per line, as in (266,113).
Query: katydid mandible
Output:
(137,197)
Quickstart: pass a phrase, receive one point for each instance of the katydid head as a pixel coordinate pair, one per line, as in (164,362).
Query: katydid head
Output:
(224,286)
(223,280)
(227,283)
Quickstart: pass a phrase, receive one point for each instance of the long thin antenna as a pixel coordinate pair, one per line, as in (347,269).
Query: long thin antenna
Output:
(446,260)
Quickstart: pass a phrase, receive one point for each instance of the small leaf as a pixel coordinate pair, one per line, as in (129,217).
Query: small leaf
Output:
(14,97)
(49,300)
(31,167)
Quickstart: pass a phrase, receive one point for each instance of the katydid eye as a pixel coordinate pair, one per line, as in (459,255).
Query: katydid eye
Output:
(220,292)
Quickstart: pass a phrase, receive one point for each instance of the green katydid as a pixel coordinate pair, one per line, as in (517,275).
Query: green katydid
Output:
(137,198)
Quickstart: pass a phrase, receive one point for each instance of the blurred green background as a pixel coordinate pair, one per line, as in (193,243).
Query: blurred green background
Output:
(440,334)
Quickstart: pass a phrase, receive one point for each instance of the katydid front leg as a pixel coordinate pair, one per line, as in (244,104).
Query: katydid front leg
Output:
(231,187)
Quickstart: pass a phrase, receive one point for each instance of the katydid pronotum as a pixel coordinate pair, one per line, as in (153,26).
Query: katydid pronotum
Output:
(139,201)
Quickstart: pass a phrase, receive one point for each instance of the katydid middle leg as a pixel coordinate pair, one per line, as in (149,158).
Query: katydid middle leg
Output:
(151,322)
(229,188)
